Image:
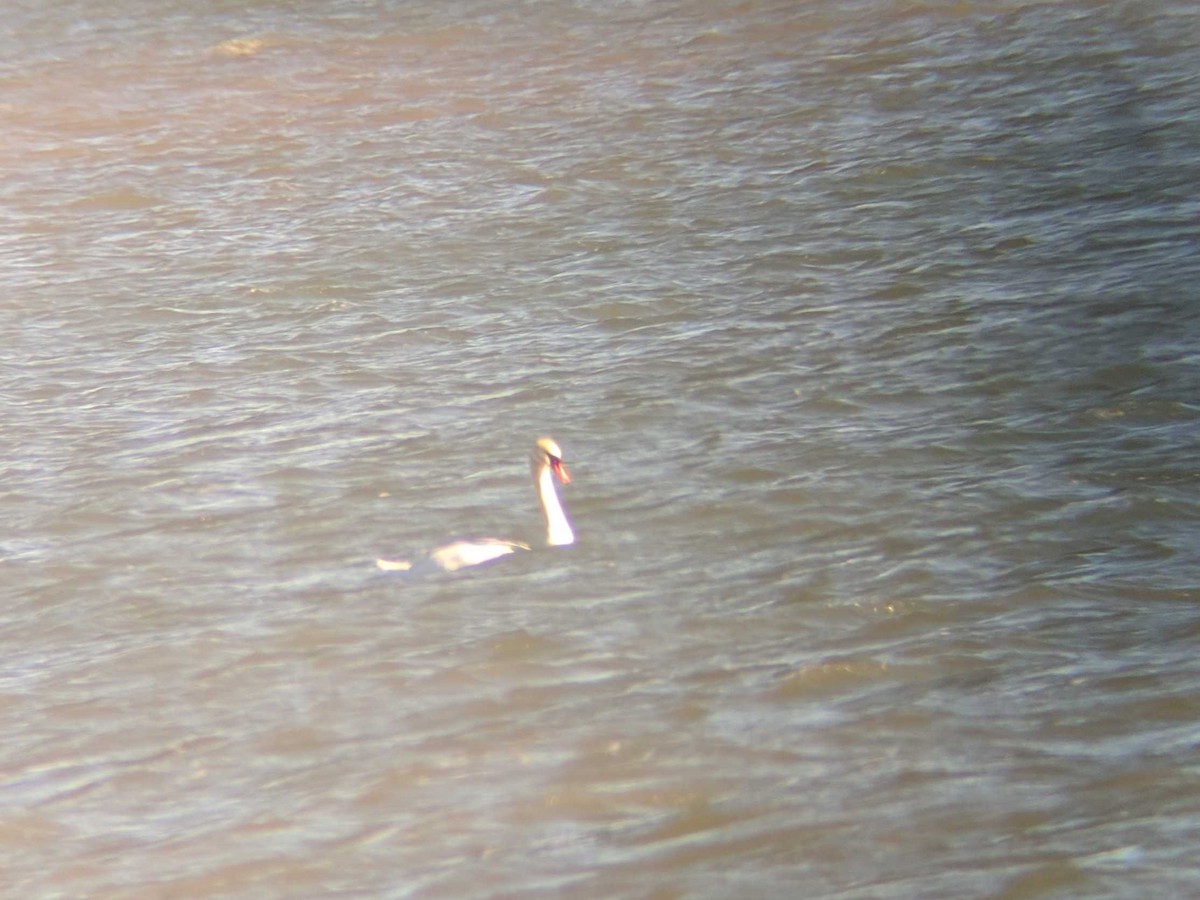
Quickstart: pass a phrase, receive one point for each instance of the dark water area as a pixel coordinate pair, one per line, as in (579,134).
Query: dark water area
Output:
(869,332)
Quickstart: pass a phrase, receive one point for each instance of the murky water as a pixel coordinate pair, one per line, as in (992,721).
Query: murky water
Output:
(869,331)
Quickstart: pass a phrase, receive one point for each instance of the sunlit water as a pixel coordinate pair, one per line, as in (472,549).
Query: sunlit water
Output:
(869,331)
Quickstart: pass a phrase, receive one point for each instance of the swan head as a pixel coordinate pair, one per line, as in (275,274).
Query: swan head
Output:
(546,454)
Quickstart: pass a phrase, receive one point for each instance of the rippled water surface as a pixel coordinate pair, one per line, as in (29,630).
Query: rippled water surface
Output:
(869,331)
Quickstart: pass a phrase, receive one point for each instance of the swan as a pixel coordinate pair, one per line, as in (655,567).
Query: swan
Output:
(546,464)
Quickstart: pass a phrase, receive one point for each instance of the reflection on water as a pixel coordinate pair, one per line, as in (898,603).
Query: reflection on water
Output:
(867,330)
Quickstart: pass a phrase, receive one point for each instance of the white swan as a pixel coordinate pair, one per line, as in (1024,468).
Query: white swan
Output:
(546,464)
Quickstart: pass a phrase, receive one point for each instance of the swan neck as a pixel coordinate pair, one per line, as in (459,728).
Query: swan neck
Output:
(558,528)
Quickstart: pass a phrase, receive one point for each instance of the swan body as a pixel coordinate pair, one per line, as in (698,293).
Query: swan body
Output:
(546,465)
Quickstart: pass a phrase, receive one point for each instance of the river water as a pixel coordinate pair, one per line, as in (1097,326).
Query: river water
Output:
(870,333)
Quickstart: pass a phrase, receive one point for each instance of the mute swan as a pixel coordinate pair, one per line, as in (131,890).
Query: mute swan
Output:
(546,464)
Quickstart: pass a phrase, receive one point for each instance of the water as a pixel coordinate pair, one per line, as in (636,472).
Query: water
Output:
(869,331)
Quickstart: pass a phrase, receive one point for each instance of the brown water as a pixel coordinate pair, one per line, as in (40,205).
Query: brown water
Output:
(869,331)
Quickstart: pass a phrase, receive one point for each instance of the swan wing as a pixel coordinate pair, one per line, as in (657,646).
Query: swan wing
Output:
(463,554)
